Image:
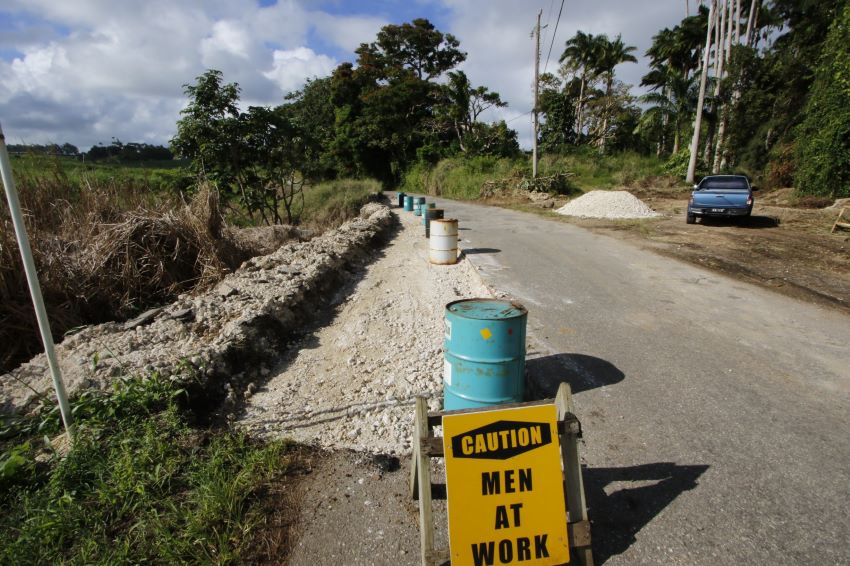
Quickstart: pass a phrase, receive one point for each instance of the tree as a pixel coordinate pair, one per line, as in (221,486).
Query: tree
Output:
(416,46)
(312,111)
(558,107)
(824,134)
(279,150)
(257,155)
(676,102)
(692,163)
(463,105)
(386,105)
(208,130)
(611,54)
(582,56)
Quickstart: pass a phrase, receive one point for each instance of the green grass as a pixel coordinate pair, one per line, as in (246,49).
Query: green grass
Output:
(331,203)
(164,176)
(139,486)
(463,178)
(591,170)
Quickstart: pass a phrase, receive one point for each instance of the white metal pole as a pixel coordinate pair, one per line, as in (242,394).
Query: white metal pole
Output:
(35,287)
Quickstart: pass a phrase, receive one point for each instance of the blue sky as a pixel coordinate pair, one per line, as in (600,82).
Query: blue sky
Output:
(83,71)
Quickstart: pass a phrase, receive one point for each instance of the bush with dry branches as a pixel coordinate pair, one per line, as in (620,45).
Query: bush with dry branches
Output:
(105,251)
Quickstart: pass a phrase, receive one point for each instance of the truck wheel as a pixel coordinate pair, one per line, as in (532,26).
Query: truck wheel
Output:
(690,219)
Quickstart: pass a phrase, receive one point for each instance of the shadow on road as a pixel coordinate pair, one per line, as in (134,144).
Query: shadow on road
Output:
(621,501)
(582,372)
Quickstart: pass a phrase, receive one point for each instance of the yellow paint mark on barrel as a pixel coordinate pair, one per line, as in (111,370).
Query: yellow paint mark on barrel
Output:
(486,334)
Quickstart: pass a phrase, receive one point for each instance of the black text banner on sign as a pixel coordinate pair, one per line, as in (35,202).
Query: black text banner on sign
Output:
(505,487)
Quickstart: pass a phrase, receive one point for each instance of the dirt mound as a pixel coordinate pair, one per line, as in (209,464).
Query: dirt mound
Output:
(607,204)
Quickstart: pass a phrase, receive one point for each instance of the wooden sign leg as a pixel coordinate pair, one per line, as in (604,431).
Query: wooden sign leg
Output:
(422,474)
(574,484)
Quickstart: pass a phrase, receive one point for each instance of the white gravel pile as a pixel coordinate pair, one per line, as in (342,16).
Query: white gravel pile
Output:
(607,204)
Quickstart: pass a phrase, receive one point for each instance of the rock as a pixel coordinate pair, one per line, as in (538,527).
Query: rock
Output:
(184,315)
(145,318)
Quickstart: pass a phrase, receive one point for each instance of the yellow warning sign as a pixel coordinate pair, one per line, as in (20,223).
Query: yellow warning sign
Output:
(505,488)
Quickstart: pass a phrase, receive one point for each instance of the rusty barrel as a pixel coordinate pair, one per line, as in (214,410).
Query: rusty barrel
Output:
(484,360)
(442,247)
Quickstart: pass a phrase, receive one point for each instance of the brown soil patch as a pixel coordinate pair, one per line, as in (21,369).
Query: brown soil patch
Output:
(782,247)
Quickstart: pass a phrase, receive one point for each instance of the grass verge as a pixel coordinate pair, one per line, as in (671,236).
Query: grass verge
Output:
(464,178)
(327,205)
(139,485)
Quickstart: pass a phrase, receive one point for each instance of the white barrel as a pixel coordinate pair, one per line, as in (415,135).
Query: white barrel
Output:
(442,248)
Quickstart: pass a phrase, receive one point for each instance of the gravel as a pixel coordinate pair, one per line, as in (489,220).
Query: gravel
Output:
(352,383)
(229,335)
(607,204)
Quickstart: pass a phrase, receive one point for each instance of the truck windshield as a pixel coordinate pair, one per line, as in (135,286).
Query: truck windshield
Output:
(721,184)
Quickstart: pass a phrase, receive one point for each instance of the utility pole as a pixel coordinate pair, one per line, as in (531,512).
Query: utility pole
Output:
(536,94)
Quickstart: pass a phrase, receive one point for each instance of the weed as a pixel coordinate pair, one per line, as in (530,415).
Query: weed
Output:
(139,485)
(327,205)
(463,178)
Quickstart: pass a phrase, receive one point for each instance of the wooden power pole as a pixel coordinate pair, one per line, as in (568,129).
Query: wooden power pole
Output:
(535,121)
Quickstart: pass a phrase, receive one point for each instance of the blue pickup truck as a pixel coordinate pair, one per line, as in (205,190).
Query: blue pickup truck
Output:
(721,196)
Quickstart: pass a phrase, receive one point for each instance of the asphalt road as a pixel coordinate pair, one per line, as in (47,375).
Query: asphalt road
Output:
(716,414)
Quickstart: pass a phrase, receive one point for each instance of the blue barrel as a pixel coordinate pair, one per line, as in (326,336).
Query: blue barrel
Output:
(417,205)
(400,196)
(408,203)
(484,349)
(432,214)
(425,206)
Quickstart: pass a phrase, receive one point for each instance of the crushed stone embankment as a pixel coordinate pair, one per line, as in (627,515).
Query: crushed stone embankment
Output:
(229,335)
(352,383)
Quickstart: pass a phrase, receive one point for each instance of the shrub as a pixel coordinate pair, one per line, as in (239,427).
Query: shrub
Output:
(105,251)
(823,149)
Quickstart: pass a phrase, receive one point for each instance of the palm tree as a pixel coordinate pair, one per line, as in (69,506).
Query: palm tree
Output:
(677,102)
(582,54)
(611,54)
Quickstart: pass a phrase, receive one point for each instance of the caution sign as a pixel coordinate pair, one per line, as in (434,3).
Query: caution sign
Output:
(505,488)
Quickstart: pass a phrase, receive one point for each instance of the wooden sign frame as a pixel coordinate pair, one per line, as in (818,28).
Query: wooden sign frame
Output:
(427,446)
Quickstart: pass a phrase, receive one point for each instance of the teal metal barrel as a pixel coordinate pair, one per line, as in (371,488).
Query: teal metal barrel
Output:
(408,203)
(432,214)
(484,349)
(426,206)
(400,196)
(417,205)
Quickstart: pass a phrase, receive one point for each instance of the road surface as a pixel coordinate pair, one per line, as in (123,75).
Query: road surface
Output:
(716,414)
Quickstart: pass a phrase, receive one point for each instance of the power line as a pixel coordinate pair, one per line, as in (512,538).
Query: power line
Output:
(554,34)
(548,21)
(518,117)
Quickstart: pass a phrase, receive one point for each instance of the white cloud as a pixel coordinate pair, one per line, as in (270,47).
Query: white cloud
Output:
(93,69)
(348,32)
(290,68)
(501,50)
(117,68)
